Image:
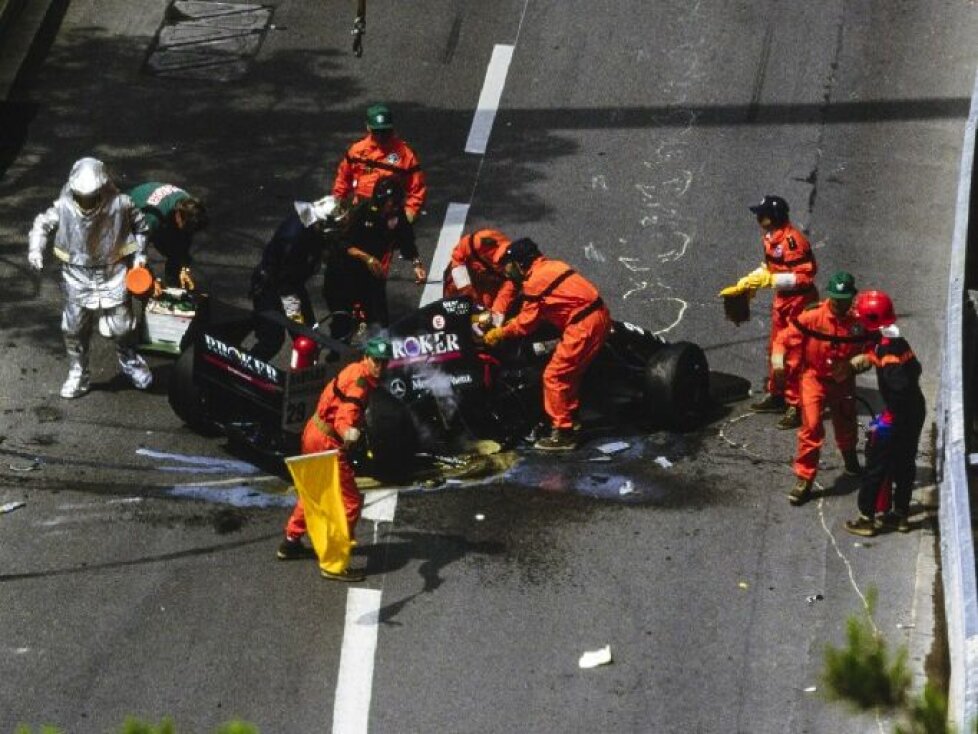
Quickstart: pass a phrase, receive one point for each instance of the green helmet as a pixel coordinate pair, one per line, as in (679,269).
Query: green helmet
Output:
(842,286)
(378,348)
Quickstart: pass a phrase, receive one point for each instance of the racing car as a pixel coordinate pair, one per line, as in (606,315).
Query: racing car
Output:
(441,384)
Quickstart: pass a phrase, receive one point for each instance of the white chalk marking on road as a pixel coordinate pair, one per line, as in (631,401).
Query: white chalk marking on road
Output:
(451,231)
(682,309)
(492,92)
(630,263)
(354,684)
(641,286)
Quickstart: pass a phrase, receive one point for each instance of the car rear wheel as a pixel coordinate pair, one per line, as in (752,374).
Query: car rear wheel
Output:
(677,385)
(186,399)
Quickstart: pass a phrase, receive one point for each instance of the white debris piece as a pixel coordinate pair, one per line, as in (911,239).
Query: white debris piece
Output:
(613,448)
(810,689)
(480,517)
(627,487)
(10,507)
(594,658)
(663,462)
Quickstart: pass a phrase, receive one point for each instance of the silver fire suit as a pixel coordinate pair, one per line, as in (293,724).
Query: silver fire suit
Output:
(93,248)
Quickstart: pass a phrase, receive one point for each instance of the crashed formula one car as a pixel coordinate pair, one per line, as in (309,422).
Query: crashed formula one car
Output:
(442,384)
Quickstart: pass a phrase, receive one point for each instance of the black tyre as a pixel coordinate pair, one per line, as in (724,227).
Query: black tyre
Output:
(391,436)
(677,386)
(186,399)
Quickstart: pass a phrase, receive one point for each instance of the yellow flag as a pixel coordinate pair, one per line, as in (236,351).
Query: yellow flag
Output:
(317,481)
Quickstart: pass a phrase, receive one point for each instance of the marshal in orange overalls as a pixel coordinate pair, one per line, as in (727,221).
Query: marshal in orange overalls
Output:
(341,407)
(824,342)
(788,256)
(372,158)
(474,268)
(553,292)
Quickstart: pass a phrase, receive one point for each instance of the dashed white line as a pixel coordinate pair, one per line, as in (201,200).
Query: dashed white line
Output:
(492,92)
(354,684)
(451,231)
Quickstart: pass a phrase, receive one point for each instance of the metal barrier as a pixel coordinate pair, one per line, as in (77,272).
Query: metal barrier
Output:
(955,399)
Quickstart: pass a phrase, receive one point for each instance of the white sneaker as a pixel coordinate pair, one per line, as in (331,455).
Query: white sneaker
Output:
(134,367)
(77,384)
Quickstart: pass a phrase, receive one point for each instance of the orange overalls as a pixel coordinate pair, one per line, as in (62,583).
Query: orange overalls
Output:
(787,252)
(474,267)
(368,160)
(825,343)
(554,292)
(341,407)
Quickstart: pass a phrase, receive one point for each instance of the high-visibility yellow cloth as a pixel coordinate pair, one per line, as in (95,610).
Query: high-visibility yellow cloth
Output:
(317,481)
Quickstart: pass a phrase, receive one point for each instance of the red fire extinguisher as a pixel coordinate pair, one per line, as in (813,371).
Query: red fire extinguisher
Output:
(304,353)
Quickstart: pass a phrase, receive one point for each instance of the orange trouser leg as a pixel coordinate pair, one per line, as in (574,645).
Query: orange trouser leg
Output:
(314,441)
(815,395)
(783,309)
(812,432)
(562,377)
(843,410)
(295,528)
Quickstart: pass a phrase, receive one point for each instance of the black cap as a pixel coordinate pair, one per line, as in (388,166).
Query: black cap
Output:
(522,252)
(772,206)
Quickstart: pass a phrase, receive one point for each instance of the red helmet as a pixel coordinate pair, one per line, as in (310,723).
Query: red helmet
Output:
(874,309)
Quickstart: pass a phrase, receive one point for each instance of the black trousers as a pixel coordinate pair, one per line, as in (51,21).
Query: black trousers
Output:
(892,458)
(348,287)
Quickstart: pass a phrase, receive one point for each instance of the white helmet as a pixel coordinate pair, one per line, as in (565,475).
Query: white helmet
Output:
(323,210)
(87,179)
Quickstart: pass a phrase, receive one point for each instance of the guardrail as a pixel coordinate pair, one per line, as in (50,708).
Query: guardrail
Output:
(954,415)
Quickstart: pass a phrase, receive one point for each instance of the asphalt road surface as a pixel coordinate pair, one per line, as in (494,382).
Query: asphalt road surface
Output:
(140,577)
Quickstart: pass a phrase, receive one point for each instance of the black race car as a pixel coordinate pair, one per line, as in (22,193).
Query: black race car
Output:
(442,384)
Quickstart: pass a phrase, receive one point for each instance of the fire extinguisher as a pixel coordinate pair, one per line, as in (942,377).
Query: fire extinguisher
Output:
(304,353)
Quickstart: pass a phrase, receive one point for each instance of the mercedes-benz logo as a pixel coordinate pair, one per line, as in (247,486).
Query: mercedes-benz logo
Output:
(398,388)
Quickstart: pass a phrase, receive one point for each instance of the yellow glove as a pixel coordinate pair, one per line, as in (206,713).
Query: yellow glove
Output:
(493,337)
(297,318)
(741,286)
(186,279)
(760,278)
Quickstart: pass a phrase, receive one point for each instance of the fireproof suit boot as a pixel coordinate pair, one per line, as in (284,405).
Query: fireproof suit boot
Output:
(850,461)
(78,381)
(801,492)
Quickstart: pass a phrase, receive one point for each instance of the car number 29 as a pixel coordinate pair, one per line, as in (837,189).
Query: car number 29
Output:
(295,412)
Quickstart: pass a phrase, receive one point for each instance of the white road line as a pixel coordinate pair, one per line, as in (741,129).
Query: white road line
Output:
(354,684)
(379,505)
(492,91)
(451,231)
